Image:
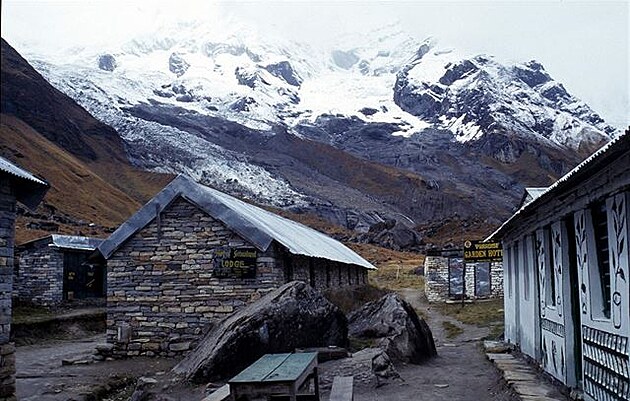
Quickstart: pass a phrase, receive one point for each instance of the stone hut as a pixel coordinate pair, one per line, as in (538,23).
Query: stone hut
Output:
(193,255)
(567,276)
(444,271)
(16,185)
(55,269)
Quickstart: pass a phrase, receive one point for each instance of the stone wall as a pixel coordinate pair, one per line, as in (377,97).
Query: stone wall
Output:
(7,349)
(39,279)
(436,271)
(324,274)
(162,294)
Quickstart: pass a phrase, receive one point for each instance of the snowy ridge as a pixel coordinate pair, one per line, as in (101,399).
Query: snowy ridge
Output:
(231,75)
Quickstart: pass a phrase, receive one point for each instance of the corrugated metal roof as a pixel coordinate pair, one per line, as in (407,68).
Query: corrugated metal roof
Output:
(75,242)
(258,226)
(31,190)
(618,145)
(11,168)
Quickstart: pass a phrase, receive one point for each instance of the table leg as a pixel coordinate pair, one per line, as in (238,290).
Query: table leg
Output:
(316,383)
(293,392)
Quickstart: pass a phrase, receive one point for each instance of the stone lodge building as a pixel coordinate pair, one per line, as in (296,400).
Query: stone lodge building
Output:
(55,269)
(193,255)
(443,271)
(16,185)
(567,277)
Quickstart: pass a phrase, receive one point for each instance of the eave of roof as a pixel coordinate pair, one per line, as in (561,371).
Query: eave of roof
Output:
(260,227)
(31,190)
(611,150)
(74,242)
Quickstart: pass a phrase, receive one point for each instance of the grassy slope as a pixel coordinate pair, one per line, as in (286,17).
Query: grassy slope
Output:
(75,191)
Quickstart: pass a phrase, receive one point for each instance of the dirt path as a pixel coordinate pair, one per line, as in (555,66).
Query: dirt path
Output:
(460,372)
(42,377)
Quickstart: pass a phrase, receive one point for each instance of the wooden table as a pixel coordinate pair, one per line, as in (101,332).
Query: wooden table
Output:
(277,375)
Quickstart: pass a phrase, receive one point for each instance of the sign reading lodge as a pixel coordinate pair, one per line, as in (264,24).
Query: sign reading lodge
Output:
(235,263)
(477,251)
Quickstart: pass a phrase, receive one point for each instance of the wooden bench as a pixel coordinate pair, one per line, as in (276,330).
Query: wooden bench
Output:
(342,389)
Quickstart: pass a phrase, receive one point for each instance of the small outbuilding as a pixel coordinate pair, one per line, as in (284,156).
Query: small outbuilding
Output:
(193,255)
(447,276)
(567,295)
(16,185)
(55,269)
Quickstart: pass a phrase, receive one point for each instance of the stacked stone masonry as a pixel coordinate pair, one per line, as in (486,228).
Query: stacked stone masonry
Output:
(42,282)
(162,295)
(7,350)
(437,285)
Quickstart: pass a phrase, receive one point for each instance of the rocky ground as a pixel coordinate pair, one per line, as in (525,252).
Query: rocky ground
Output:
(62,370)
(459,372)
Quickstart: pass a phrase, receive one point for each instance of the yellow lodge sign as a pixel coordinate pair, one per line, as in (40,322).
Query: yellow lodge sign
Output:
(235,263)
(477,251)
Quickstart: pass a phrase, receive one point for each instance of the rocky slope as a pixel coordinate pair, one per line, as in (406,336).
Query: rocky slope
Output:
(93,186)
(381,127)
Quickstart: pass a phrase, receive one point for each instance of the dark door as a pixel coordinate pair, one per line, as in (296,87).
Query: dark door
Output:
(81,280)
(482,279)
(456,277)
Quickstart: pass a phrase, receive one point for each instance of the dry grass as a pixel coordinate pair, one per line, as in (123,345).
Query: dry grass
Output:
(451,330)
(350,299)
(482,314)
(397,274)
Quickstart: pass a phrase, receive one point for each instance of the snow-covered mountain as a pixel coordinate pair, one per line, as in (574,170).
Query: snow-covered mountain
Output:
(211,101)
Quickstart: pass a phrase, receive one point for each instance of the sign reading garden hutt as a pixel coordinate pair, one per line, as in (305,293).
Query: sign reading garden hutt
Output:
(477,251)
(235,263)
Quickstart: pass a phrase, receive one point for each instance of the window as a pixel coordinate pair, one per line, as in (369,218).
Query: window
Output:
(516,269)
(600,233)
(527,268)
(510,270)
(550,277)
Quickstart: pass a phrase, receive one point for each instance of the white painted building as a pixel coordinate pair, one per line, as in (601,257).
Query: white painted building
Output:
(567,293)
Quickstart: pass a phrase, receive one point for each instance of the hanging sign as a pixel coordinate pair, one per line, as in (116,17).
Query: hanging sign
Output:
(235,263)
(478,251)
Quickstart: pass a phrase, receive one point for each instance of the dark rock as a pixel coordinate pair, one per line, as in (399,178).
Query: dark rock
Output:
(285,71)
(390,234)
(384,369)
(404,335)
(532,73)
(555,93)
(107,62)
(177,65)
(368,111)
(370,367)
(243,104)
(293,316)
(458,71)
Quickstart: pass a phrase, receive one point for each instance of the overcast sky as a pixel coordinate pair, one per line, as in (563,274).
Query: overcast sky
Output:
(582,44)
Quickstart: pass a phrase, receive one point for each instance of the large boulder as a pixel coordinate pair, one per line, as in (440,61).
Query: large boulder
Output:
(293,316)
(401,332)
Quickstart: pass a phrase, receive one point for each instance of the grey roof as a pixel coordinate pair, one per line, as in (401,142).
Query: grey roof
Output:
(260,227)
(75,242)
(29,190)
(593,163)
(66,242)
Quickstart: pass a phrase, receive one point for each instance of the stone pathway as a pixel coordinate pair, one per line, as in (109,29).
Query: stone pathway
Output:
(460,372)
(524,379)
(41,375)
